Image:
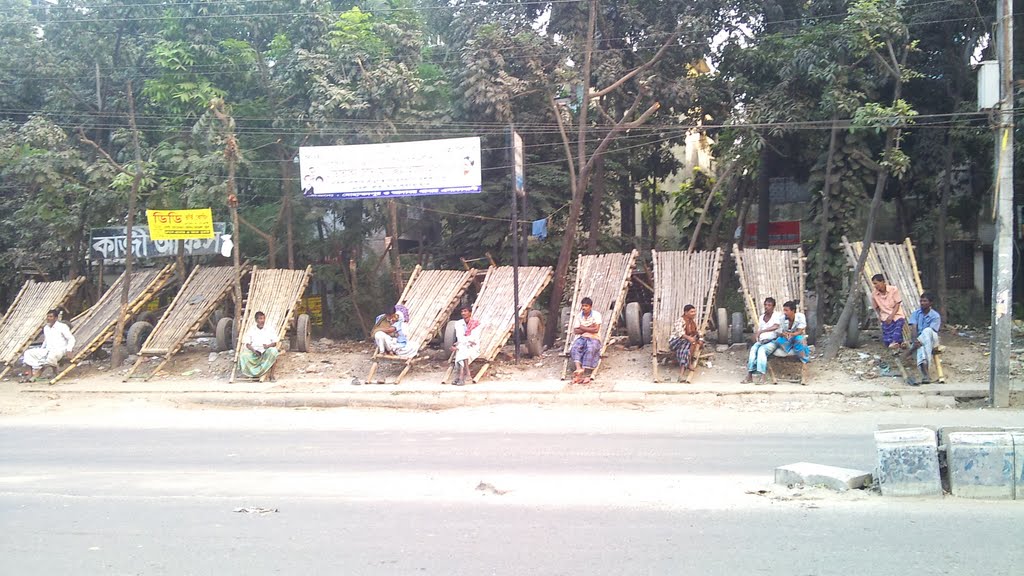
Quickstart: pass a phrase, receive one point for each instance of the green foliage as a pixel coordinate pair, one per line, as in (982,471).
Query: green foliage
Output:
(688,200)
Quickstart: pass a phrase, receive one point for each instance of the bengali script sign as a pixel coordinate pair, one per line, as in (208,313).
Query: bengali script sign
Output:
(110,244)
(180,224)
(422,168)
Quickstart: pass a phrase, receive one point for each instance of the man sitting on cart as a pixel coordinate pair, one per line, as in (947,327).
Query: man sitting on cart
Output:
(260,349)
(388,333)
(586,348)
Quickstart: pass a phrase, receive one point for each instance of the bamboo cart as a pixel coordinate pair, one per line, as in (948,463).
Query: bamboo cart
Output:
(682,278)
(604,278)
(277,294)
(898,263)
(97,324)
(769,273)
(430,296)
(493,304)
(203,290)
(27,314)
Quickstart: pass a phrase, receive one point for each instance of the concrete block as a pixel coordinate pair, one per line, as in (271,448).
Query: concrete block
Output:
(832,477)
(1018,462)
(945,431)
(908,462)
(981,465)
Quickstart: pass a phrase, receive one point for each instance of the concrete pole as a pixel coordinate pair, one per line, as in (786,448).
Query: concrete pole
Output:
(1002,257)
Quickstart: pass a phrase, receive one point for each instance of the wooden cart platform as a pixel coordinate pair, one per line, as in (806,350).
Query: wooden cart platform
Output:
(682,278)
(203,290)
(764,273)
(430,296)
(277,294)
(494,304)
(604,278)
(27,314)
(97,324)
(898,263)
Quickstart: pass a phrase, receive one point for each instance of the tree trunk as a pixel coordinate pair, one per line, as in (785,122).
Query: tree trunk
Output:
(286,199)
(836,338)
(117,357)
(396,256)
(707,206)
(821,281)
(940,231)
(764,212)
(627,211)
(596,200)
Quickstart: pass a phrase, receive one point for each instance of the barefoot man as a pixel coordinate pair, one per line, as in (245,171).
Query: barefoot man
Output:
(586,349)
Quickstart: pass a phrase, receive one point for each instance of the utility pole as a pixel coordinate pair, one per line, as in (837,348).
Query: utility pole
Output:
(1002,208)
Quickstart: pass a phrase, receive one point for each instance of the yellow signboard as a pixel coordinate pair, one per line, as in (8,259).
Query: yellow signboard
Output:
(180,224)
(313,306)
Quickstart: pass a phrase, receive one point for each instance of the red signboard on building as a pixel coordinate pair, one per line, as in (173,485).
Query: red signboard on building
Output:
(781,234)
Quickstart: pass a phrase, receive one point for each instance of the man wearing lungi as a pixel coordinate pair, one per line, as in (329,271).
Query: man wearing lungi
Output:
(586,349)
(889,306)
(57,341)
(260,350)
(924,328)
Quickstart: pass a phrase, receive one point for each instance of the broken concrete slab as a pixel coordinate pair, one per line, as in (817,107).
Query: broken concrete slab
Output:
(908,462)
(832,477)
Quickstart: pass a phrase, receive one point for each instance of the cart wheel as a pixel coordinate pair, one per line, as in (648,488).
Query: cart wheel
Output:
(224,335)
(636,337)
(137,335)
(147,316)
(647,327)
(737,327)
(853,331)
(722,321)
(535,336)
(302,333)
(449,335)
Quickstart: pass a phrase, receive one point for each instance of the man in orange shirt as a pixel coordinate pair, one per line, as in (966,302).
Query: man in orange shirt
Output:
(889,306)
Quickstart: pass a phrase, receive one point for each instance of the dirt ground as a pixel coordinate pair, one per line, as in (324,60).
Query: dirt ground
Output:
(965,360)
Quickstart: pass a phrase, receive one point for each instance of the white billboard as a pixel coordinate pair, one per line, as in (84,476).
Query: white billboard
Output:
(421,168)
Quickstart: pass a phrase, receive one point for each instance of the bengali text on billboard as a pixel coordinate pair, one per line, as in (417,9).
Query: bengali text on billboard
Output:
(421,168)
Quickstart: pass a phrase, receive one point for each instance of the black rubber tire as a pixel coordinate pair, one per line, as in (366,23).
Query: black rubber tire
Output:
(224,335)
(722,323)
(636,337)
(853,331)
(147,316)
(736,328)
(138,332)
(302,333)
(535,336)
(647,327)
(449,336)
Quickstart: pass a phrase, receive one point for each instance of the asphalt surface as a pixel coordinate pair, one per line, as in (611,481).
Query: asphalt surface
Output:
(470,499)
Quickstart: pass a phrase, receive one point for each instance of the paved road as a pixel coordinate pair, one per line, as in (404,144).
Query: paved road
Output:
(468,499)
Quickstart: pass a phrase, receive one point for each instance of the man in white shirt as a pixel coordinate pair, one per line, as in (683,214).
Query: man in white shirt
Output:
(57,341)
(260,349)
(586,348)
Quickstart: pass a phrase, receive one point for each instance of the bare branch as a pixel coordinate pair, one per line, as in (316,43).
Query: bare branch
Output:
(565,142)
(654,59)
(85,139)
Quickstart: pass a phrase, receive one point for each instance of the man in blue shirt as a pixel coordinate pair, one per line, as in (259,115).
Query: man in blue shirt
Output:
(924,324)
